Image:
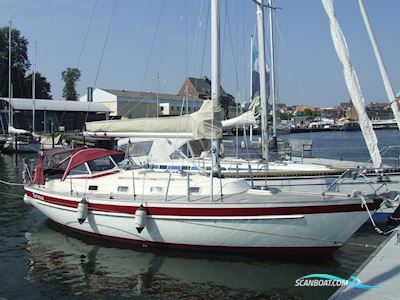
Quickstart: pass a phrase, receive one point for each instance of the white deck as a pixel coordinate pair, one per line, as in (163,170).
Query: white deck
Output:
(381,269)
(345,164)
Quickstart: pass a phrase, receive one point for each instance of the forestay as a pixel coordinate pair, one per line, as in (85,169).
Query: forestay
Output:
(381,65)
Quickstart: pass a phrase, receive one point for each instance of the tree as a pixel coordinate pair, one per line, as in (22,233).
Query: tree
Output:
(19,65)
(70,77)
(42,89)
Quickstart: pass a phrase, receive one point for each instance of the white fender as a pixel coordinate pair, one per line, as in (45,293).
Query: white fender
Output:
(82,212)
(26,199)
(140,218)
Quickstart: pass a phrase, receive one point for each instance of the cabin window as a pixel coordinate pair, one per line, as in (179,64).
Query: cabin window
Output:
(123,189)
(79,170)
(118,158)
(92,187)
(139,148)
(101,164)
(194,190)
(198,146)
(163,167)
(156,189)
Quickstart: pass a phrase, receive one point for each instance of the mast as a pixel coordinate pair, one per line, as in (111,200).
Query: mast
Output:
(215,77)
(10,122)
(263,92)
(251,83)
(34,89)
(386,82)
(158,89)
(272,49)
(251,68)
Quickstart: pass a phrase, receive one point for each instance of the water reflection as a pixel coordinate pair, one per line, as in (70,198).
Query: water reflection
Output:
(78,266)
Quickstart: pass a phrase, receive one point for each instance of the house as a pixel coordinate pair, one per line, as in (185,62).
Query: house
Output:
(379,111)
(201,88)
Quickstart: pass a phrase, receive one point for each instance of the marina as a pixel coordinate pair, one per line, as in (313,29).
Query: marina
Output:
(45,259)
(197,193)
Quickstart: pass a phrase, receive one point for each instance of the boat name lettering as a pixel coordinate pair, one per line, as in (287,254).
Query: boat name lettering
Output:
(40,197)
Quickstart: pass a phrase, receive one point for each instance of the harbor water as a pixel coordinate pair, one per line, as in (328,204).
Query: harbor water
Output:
(38,259)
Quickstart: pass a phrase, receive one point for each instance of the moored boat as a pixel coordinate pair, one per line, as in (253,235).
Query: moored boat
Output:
(21,144)
(86,191)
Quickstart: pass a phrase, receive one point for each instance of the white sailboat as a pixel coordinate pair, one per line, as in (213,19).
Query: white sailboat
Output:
(88,192)
(171,151)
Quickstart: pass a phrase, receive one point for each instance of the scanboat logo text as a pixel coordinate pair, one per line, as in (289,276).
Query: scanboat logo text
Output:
(330,280)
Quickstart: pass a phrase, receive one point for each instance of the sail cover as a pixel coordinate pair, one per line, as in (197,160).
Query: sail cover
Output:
(245,119)
(353,85)
(202,124)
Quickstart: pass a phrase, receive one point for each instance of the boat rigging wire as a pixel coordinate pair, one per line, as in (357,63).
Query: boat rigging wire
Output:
(205,38)
(152,45)
(86,34)
(123,109)
(101,57)
(197,34)
(105,42)
(81,54)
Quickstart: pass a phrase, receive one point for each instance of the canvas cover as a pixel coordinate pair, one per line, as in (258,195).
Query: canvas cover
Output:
(203,124)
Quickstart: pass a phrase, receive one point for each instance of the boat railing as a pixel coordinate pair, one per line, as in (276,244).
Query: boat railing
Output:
(27,173)
(354,174)
(385,151)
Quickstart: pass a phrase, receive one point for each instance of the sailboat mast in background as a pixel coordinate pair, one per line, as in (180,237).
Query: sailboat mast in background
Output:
(215,78)
(34,89)
(251,67)
(10,122)
(263,91)
(272,49)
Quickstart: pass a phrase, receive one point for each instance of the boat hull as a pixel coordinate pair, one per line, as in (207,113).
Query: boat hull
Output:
(22,147)
(219,227)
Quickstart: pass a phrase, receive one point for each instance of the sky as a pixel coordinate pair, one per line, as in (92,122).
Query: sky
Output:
(172,38)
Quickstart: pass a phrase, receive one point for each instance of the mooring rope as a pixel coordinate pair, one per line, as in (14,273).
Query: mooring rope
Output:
(377,229)
(11,183)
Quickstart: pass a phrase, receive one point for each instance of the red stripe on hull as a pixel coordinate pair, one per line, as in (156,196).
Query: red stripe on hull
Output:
(207,212)
(225,249)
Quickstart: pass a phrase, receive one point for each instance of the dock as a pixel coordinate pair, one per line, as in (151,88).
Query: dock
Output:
(381,269)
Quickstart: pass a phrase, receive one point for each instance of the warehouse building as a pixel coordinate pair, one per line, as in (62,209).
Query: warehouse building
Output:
(50,115)
(132,104)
